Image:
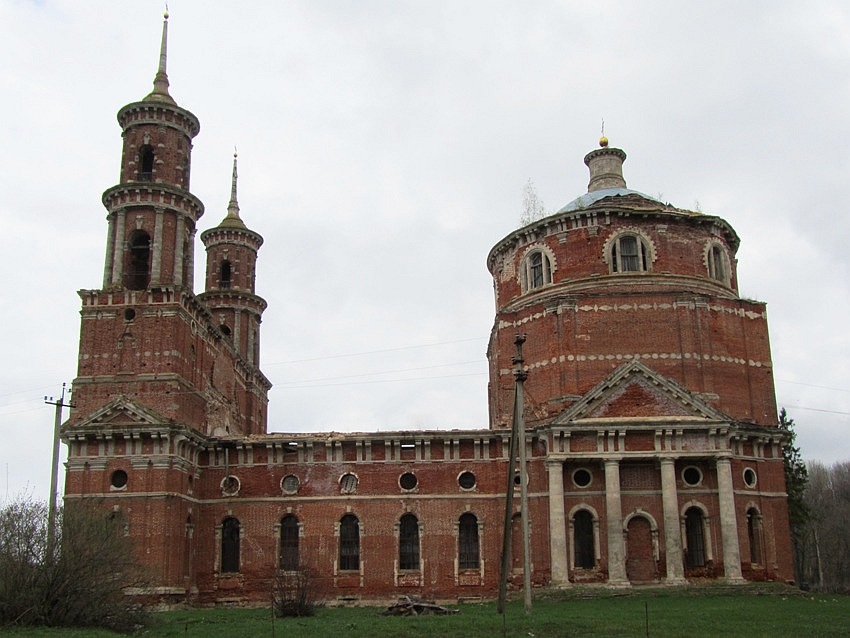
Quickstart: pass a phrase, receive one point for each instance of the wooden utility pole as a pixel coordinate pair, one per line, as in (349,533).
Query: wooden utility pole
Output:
(54,470)
(519,418)
(517,441)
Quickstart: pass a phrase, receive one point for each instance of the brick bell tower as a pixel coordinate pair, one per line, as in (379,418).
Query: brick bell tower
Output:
(230,279)
(161,374)
(145,336)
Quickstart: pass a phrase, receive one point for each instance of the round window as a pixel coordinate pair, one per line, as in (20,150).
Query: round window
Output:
(129,314)
(692,476)
(582,477)
(466,480)
(289,484)
(230,485)
(119,479)
(348,483)
(408,481)
(750,477)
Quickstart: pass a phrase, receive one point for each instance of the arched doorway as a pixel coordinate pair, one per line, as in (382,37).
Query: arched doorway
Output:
(641,566)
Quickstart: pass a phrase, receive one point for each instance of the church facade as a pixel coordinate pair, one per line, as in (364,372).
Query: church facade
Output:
(653,453)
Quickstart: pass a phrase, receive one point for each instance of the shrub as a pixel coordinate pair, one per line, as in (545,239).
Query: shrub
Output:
(78,582)
(294,593)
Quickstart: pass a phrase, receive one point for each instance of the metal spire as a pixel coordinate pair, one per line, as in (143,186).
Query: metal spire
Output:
(232,218)
(160,82)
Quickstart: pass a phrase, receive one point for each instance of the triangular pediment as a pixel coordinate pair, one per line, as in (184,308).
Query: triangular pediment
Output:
(122,412)
(636,391)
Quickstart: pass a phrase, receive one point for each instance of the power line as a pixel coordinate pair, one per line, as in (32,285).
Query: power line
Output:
(372,374)
(327,385)
(812,385)
(800,407)
(360,354)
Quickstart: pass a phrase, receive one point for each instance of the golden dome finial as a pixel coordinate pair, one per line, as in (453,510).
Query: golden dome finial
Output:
(165,15)
(603,141)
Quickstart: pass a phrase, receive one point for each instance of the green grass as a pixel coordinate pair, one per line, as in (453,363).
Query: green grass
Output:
(750,611)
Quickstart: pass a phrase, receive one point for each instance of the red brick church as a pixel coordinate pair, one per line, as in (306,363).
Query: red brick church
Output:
(652,442)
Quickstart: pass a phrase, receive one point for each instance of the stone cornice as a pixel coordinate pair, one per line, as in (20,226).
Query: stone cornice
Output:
(599,214)
(150,112)
(130,195)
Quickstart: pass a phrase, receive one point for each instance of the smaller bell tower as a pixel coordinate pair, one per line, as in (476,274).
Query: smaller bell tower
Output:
(230,279)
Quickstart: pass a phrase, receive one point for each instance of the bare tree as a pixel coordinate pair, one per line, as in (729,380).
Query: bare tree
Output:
(826,545)
(80,581)
(532,206)
(295,593)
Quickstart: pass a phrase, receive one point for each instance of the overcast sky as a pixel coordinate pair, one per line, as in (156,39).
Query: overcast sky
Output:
(383,150)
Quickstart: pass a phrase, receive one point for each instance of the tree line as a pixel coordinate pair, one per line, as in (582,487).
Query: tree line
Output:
(819,514)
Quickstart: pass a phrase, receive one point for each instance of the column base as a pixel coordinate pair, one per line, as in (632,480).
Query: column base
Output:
(676,581)
(618,584)
(735,580)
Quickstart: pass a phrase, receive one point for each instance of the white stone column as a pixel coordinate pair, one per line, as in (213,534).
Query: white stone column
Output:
(728,522)
(672,530)
(110,251)
(177,279)
(156,262)
(118,251)
(614,520)
(557,524)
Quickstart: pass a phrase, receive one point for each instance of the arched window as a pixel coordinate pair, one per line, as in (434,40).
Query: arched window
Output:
(136,276)
(230,545)
(146,163)
(754,535)
(536,270)
(585,556)
(224,275)
(695,537)
(349,542)
(289,543)
(718,264)
(468,552)
(629,254)
(408,542)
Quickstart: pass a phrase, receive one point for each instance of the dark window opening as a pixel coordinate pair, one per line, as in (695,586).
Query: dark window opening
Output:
(289,543)
(139,247)
(754,535)
(692,476)
(146,164)
(537,270)
(224,275)
(466,480)
(582,478)
(536,265)
(628,254)
(585,556)
(408,481)
(119,479)
(695,537)
(349,542)
(715,264)
(468,550)
(230,546)
(408,542)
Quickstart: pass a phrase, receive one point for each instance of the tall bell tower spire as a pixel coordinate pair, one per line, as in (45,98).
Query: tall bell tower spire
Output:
(152,215)
(160,82)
